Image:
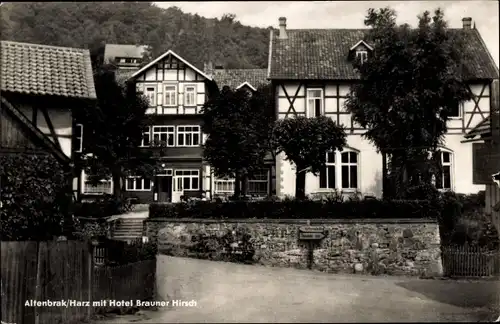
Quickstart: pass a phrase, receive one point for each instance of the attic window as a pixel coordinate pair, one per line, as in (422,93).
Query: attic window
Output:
(362,56)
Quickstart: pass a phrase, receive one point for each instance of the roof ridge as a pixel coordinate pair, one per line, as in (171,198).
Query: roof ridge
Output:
(45,46)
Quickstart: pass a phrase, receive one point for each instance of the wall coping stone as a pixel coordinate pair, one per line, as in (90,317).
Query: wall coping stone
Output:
(297,221)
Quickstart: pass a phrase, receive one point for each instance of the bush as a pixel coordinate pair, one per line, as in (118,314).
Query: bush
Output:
(296,209)
(103,206)
(35,198)
(120,252)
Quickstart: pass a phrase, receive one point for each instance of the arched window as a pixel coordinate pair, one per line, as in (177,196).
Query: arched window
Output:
(327,174)
(444,181)
(349,170)
(341,170)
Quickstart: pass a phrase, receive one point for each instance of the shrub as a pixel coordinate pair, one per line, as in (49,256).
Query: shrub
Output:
(35,196)
(120,252)
(296,209)
(103,206)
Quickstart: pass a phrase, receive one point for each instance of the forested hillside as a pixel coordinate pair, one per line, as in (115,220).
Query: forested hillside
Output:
(92,24)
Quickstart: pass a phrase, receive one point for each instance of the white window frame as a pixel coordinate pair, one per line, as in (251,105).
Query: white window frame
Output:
(169,132)
(446,164)
(96,189)
(349,164)
(143,181)
(309,97)
(151,95)
(193,93)
(218,182)
(179,179)
(460,111)
(183,133)
(362,55)
(79,137)
(168,103)
(338,171)
(144,132)
(256,182)
(329,164)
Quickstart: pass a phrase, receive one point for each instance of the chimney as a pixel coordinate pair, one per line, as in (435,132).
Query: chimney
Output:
(467,22)
(208,69)
(282,34)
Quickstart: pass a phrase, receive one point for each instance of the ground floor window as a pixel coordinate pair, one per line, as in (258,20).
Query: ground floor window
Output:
(258,184)
(444,180)
(187,180)
(224,186)
(138,184)
(341,171)
(104,186)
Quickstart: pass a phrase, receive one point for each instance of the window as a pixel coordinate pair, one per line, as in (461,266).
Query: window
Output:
(170,95)
(164,134)
(455,110)
(190,95)
(188,135)
(258,183)
(187,180)
(362,56)
(146,136)
(314,102)
(349,170)
(150,93)
(327,174)
(443,181)
(138,184)
(103,187)
(224,186)
(78,138)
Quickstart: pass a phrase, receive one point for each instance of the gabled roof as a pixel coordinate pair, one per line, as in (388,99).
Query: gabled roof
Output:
(161,57)
(481,129)
(46,70)
(361,42)
(236,78)
(121,50)
(322,54)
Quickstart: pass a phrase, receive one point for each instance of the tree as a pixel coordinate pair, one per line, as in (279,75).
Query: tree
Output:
(35,196)
(306,141)
(409,86)
(113,130)
(238,126)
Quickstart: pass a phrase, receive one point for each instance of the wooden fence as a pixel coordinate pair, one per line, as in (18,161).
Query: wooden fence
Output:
(64,271)
(470,261)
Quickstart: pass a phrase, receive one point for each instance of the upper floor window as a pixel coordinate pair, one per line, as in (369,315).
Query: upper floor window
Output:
(190,95)
(362,56)
(146,136)
(78,138)
(164,134)
(314,102)
(455,110)
(188,135)
(150,93)
(444,180)
(170,95)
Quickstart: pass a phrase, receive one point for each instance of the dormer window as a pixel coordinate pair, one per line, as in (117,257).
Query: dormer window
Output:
(362,56)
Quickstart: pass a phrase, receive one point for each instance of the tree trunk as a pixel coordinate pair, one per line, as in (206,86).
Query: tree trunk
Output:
(117,184)
(300,183)
(244,185)
(237,186)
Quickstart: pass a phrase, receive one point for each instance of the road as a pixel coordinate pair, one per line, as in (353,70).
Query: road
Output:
(226,292)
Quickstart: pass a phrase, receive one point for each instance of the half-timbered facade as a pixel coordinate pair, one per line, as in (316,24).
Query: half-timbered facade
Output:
(176,90)
(262,183)
(40,86)
(311,72)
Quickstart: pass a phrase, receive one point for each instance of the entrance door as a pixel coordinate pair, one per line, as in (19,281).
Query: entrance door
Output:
(177,191)
(165,189)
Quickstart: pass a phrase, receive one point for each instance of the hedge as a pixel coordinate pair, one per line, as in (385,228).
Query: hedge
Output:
(296,209)
(103,206)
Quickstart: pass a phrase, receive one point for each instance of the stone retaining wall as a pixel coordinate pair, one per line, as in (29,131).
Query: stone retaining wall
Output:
(375,246)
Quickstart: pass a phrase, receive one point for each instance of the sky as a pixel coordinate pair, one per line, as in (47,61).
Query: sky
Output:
(348,14)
